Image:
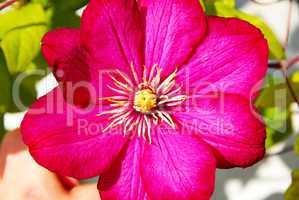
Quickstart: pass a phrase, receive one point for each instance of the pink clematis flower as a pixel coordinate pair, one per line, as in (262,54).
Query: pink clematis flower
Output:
(171,99)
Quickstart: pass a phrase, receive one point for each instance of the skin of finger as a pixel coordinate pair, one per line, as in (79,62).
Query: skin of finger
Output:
(21,178)
(85,192)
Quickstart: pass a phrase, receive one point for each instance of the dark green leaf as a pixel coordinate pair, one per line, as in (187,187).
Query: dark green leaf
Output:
(63,13)
(2,128)
(44,3)
(293,191)
(62,19)
(69,5)
(24,91)
(5,85)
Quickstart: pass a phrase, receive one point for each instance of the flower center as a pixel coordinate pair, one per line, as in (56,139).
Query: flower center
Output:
(152,95)
(145,101)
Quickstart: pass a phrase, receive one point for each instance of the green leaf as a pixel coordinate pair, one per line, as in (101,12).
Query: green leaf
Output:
(44,3)
(225,9)
(202,2)
(227,3)
(21,44)
(40,63)
(295,77)
(278,125)
(17,18)
(25,92)
(5,85)
(293,191)
(64,19)
(276,93)
(297,145)
(63,13)
(69,5)
(21,47)
(274,104)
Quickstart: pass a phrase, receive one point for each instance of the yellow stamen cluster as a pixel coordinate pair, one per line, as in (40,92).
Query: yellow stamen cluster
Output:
(151,95)
(145,101)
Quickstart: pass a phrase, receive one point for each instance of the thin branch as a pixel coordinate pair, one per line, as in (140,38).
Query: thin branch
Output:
(286,150)
(265,3)
(293,62)
(289,24)
(6,4)
(290,63)
(274,65)
(284,70)
(283,66)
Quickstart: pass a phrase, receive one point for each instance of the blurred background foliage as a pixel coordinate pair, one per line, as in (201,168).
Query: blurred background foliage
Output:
(23,24)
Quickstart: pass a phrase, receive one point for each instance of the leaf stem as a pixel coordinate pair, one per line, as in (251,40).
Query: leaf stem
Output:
(6,4)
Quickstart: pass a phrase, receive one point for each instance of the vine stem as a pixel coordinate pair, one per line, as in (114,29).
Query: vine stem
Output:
(283,65)
(6,4)
(284,70)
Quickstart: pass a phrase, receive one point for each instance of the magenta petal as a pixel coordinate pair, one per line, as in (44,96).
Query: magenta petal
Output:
(83,81)
(123,180)
(174,29)
(113,34)
(69,62)
(68,140)
(233,58)
(230,124)
(62,51)
(178,167)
